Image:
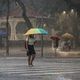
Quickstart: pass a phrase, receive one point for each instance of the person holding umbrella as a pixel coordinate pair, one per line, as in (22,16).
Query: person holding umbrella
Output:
(55,39)
(67,37)
(30,42)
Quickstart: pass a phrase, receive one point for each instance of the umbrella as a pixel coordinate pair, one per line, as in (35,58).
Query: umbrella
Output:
(36,31)
(67,36)
(55,37)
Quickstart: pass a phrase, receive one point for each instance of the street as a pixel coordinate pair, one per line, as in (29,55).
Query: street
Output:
(50,29)
(16,68)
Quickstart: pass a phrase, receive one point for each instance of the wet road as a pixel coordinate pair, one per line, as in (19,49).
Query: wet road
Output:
(15,68)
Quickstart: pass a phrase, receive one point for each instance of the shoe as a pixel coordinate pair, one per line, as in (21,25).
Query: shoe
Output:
(30,65)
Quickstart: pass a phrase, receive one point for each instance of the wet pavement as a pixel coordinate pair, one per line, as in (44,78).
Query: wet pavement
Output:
(47,52)
(16,68)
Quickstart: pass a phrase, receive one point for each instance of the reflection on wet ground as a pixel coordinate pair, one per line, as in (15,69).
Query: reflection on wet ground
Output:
(15,68)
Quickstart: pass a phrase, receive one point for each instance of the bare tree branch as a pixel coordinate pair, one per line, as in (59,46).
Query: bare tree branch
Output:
(24,13)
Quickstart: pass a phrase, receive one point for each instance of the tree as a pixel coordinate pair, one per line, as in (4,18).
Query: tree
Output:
(68,22)
(7,4)
(3,8)
(24,13)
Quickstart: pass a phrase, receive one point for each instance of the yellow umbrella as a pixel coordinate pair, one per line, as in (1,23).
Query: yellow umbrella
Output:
(36,31)
(67,36)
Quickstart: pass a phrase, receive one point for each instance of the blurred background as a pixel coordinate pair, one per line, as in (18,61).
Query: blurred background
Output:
(55,16)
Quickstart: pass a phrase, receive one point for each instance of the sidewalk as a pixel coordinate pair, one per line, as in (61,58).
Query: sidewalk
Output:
(47,52)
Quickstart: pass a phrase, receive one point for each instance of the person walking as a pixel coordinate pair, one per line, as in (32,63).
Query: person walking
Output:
(30,42)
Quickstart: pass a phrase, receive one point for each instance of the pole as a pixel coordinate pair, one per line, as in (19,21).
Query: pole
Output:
(7,25)
(42,38)
(41,45)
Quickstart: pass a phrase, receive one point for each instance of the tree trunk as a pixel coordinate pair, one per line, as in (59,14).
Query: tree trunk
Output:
(29,25)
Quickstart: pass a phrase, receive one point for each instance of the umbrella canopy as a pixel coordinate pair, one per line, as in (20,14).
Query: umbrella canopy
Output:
(67,36)
(55,37)
(36,31)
